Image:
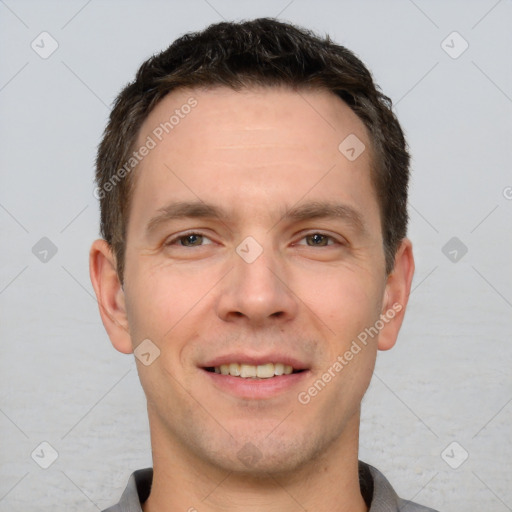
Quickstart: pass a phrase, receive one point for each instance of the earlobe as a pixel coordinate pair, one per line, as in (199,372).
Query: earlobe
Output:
(110,295)
(396,295)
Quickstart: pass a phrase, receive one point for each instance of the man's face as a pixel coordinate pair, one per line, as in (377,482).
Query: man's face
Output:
(252,239)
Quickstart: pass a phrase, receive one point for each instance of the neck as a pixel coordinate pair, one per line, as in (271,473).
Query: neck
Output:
(182,481)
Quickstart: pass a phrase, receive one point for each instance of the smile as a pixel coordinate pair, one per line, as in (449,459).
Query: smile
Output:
(246,371)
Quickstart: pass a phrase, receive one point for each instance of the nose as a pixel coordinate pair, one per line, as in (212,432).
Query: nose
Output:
(257,292)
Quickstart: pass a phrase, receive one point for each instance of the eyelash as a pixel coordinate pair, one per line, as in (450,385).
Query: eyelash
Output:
(331,240)
(181,236)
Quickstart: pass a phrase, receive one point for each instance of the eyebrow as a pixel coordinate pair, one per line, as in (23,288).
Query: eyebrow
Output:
(304,212)
(181,210)
(322,210)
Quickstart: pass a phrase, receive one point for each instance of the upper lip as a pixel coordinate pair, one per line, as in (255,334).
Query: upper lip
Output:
(256,360)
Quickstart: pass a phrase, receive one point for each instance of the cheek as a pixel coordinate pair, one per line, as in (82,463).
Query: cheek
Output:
(347,301)
(163,299)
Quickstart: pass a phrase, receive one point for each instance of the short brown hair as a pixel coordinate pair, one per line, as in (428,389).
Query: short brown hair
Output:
(261,52)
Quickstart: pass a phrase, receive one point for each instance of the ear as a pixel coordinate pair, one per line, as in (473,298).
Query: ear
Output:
(110,295)
(396,295)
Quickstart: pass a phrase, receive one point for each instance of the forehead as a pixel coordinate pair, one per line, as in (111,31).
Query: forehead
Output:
(252,116)
(256,146)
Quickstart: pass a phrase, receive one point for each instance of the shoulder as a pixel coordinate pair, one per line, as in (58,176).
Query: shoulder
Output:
(381,495)
(409,506)
(135,493)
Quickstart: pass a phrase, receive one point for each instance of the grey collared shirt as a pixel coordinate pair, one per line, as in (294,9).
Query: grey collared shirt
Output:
(376,491)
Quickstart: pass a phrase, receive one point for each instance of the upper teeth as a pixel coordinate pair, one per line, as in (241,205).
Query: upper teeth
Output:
(262,371)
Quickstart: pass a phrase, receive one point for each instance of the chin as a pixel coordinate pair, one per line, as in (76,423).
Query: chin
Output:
(267,457)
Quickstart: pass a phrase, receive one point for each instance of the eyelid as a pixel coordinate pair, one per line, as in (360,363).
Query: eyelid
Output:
(171,240)
(337,239)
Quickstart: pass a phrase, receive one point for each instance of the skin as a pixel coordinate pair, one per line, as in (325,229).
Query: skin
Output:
(257,154)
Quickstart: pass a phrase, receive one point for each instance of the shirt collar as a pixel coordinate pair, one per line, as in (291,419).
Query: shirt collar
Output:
(377,492)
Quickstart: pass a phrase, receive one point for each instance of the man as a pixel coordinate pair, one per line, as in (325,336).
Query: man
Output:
(253,188)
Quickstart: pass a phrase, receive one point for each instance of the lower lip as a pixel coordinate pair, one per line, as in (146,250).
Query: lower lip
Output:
(256,388)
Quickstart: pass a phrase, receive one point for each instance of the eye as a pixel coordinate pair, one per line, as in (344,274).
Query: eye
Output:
(317,240)
(190,240)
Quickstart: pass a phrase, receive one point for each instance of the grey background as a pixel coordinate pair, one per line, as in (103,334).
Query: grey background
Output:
(447,380)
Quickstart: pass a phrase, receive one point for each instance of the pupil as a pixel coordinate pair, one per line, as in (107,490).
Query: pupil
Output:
(317,239)
(192,240)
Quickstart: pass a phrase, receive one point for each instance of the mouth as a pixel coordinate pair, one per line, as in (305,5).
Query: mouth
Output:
(250,371)
(259,381)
